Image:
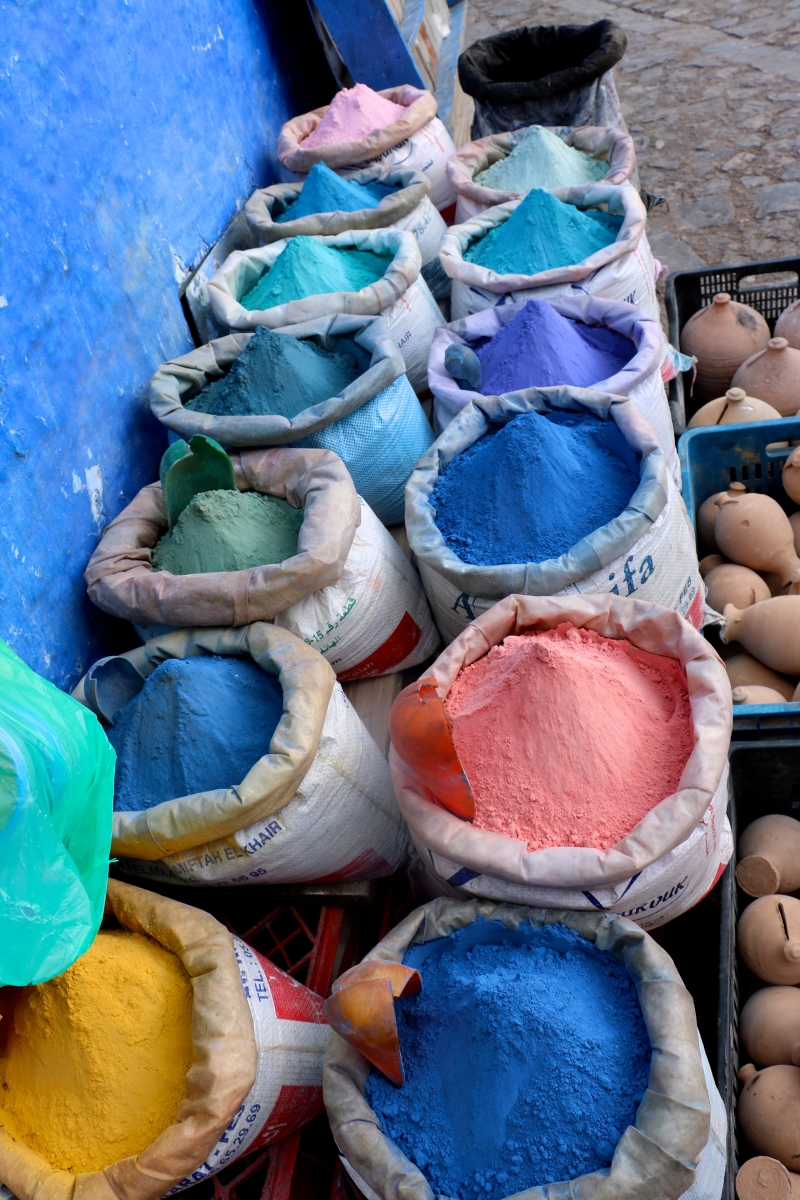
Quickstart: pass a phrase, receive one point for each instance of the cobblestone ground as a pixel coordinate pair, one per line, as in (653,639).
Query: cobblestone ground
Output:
(711,94)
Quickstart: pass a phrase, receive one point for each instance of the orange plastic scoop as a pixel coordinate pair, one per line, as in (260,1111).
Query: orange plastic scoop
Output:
(361,1010)
(421,735)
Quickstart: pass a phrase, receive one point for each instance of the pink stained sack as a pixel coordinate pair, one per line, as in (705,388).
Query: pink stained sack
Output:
(670,859)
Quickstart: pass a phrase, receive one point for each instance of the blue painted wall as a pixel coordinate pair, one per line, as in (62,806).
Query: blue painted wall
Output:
(130,133)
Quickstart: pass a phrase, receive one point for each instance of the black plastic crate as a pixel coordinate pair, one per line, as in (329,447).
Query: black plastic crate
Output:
(749,283)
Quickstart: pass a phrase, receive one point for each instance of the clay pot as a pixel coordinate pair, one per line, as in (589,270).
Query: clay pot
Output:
(770,630)
(769,939)
(774,375)
(769,1026)
(769,1111)
(763,1178)
(732,584)
(734,408)
(754,694)
(708,512)
(794,521)
(744,670)
(788,325)
(709,562)
(721,336)
(791,474)
(769,862)
(754,531)
(774,584)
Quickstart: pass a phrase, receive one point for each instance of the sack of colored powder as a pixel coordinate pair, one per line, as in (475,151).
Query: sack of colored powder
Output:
(577,713)
(514,493)
(362,128)
(537,343)
(504,166)
(362,272)
(155,1061)
(615,265)
(336,383)
(499,1094)
(241,760)
(350,591)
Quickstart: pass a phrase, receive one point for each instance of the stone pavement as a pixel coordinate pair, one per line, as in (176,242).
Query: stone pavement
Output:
(711,94)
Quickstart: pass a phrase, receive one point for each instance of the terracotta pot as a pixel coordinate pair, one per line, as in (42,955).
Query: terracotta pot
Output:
(721,336)
(774,584)
(708,512)
(794,521)
(791,475)
(709,562)
(754,531)
(763,1178)
(773,374)
(769,1111)
(753,693)
(732,584)
(744,670)
(734,408)
(769,1026)
(768,936)
(769,862)
(769,630)
(788,325)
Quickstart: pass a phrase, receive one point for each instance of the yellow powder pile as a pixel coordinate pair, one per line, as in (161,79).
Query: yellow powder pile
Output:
(95,1061)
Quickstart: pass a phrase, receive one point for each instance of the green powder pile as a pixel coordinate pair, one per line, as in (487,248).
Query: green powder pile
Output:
(278,373)
(229,531)
(542,160)
(307,268)
(541,234)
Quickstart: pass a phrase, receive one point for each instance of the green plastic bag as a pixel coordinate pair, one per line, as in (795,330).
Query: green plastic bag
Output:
(56,803)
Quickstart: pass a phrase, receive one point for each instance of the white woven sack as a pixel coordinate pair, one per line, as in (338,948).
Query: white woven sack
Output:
(427,151)
(427,226)
(709,1177)
(291,1035)
(412,321)
(342,823)
(375,619)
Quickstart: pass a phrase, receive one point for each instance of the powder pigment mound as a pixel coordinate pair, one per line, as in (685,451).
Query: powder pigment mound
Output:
(324,192)
(540,348)
(531,490)
(229,531)
(353,114)
(95,1060)
(198,724)
(525,1059)
(541,234)
(281,374)
(569,738)
(542,160)
(307,268)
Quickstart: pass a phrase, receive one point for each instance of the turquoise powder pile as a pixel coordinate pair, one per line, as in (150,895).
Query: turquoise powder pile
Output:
(542,160)
(541,234)
(308,268)
(325,192)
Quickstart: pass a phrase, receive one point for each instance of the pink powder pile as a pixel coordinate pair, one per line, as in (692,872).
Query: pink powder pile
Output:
(352,115)
(569,738)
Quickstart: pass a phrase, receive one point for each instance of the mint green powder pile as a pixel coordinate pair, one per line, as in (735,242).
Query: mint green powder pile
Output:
(542,160)
(308,268)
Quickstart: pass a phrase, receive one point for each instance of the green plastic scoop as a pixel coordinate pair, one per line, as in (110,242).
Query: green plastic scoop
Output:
(186,471)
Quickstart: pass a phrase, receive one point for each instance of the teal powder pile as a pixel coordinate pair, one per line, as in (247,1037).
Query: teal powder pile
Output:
(325,192)
(229,531)
(308,268)
(278,373)
(541,234)
(525,1055)
(542,160)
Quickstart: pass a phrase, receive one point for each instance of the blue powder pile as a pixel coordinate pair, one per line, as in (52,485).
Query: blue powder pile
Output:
(529,491)
(540,348)
(278,373)
(307,267)
(324,192)
(541,234)
(197,724)
(525,1056)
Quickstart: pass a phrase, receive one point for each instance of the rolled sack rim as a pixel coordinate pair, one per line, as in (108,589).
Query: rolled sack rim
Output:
(593,552)
(421,107)
(628,319)
(183,378)
(646,625)
(601,142)
(620,200)
(264,202)
(676,1095)
(307,682)
(242,270)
